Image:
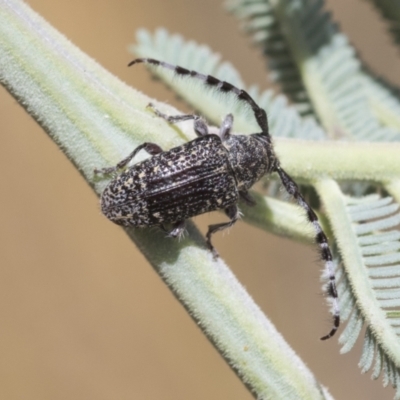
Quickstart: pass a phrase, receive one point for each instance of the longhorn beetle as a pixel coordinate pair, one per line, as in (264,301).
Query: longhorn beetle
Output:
(208,173)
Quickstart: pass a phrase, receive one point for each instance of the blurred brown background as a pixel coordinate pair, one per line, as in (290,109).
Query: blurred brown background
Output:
(82,314)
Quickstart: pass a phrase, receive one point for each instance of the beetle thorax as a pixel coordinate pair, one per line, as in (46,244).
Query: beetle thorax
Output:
(250,157)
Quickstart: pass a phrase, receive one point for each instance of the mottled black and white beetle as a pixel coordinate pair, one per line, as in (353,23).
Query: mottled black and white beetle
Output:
(208,173)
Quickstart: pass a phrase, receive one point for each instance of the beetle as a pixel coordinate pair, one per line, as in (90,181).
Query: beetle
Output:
(208,173)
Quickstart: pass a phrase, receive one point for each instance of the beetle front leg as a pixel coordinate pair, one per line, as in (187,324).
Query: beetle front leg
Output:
(151,148)
(233,213)
(226,127)
(200,127)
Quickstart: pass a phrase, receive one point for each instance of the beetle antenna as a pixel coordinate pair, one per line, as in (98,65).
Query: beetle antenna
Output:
(225,87)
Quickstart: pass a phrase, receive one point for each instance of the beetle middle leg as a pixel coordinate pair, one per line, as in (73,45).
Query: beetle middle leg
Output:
(200,127)
(151,148)
(233,213)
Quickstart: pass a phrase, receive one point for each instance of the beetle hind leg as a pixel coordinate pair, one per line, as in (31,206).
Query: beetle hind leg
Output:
(233,213)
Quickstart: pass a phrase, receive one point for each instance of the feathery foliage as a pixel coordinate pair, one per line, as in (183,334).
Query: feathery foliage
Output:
(319,71)
(314,63)
(365,228)
(390,10)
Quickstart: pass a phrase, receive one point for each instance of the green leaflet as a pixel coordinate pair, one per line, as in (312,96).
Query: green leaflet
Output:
(384,100)
(315,65)
(369,288)
(283,120)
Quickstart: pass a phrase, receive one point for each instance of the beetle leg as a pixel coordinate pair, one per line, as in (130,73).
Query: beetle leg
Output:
(226,127)
(200,127)
(247,198)
(151,148)
(233,213)
(177,230)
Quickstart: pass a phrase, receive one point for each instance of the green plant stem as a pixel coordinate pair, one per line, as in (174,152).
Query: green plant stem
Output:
(309,160)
